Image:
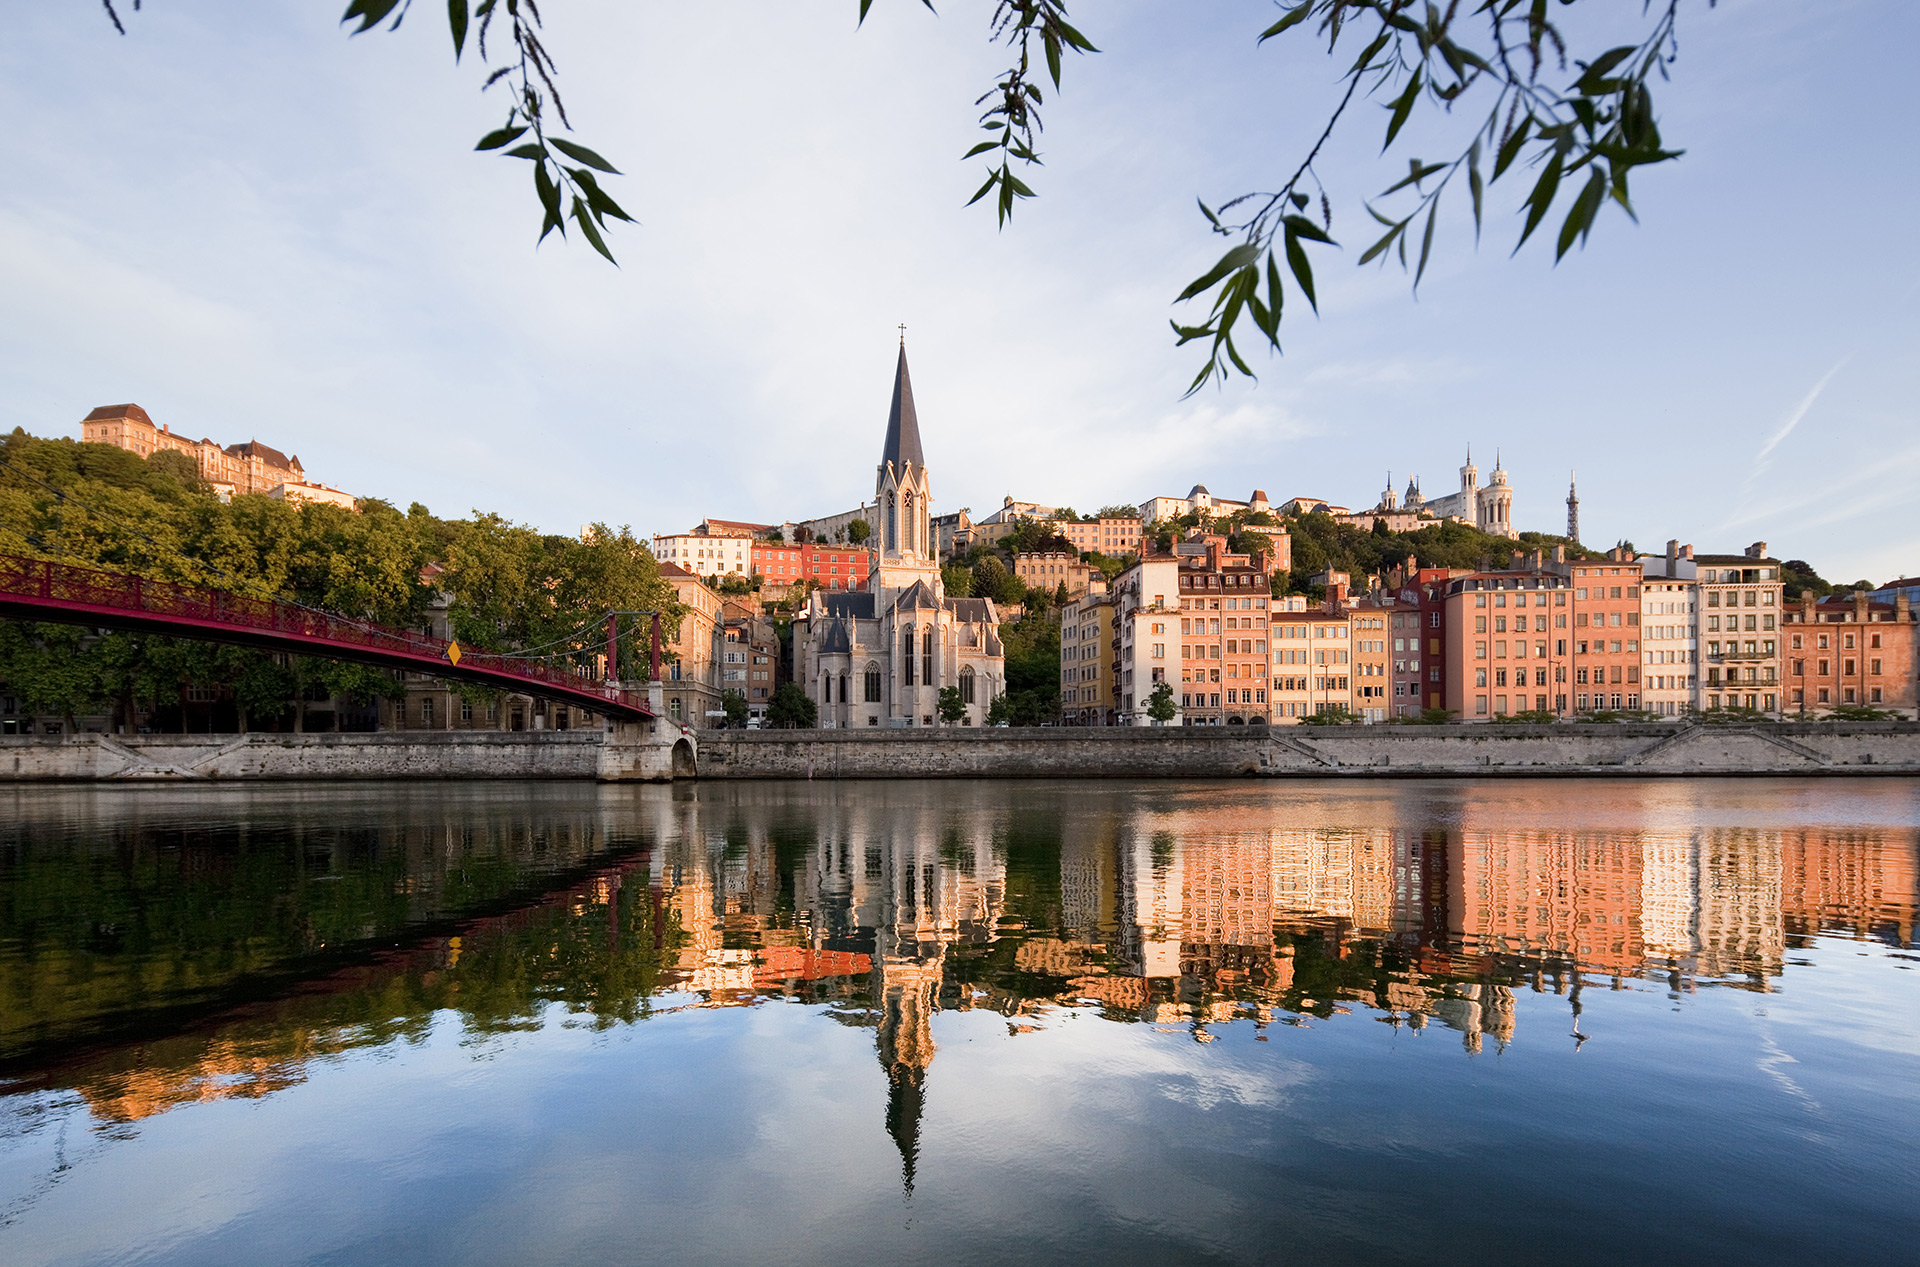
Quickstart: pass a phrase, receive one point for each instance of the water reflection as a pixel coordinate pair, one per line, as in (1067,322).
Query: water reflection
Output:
(156,954)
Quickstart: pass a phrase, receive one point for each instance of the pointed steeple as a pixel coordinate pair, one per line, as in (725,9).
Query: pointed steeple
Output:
(903,427)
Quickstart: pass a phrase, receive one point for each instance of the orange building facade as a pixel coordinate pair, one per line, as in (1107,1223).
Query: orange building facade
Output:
(1560,639)
(1851,652)
(830,567)
(1224,604)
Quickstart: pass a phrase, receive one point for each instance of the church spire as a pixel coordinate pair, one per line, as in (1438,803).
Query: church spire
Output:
(903,426)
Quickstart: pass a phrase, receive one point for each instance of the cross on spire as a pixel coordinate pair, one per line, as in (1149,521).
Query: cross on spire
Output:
(903,334)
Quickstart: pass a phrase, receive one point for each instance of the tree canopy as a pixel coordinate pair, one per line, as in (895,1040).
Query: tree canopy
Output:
(510,586)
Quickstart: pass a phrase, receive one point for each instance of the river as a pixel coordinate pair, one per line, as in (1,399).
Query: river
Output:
(960,1022)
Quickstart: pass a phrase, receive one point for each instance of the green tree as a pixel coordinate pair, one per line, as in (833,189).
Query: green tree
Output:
(791,709)
(858,531)
(1332,715)
(957,580)
(998,712)
(951,709)
(735,705)
(1160,706)
(992,579)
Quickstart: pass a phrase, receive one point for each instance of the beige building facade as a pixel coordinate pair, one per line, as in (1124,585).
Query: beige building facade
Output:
(691,680)
(236,470)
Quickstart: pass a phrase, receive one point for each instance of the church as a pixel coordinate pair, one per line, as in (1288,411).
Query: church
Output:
(880,657)
(1488,508)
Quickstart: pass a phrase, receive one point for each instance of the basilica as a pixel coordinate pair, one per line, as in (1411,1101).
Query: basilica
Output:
(880,657)
(1488,508)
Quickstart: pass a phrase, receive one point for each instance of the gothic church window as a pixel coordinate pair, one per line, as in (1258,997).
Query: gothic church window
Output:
(873,684)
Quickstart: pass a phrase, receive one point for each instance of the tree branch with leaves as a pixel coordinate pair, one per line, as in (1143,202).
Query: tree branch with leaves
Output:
(1601,124)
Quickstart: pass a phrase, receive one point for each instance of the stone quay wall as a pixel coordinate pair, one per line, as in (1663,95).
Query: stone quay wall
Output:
(555,754)
(1847,748)
(1317,752)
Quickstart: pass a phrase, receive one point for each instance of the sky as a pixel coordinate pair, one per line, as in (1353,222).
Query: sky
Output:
(257,227)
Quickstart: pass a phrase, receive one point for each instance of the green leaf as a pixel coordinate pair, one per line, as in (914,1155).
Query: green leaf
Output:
(1212,219)
(864,6)
(370,13)
(1417,171)
(1302,270)
(993,178)
(457,25)
(1592,81)
(1475,184)
(1307,229)
(585,221)
(1402,107)
(1294,17)
(1542,196)
(550,199)
(584,155)
(1378,248)
(526,151)
(1074,39)
(1426,244)
(1052,43)
(981,148)
(1510,149)
(596,197)
(1239,257)
(494,140)
(1579,219)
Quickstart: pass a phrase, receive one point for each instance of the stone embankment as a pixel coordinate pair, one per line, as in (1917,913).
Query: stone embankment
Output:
(1318,752)
(1848,748)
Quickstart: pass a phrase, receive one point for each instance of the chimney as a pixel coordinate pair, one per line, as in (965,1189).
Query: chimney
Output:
(1807,602)
(1518,562)
(1673,553)
(1758,550)
(1902,609)
(1559,554)
(1539,559)
(1859,605)
(1686,551)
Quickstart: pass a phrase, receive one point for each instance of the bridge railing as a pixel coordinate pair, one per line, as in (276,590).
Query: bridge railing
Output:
(64,585)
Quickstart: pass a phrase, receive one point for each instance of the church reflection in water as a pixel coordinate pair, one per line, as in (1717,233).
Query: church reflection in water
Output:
(885,906)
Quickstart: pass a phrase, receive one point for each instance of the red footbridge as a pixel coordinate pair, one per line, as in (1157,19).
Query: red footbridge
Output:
(31,589)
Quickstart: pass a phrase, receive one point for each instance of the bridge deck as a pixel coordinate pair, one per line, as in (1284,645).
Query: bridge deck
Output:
(31,589)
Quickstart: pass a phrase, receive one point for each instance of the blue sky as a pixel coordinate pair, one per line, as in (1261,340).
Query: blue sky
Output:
(257,227)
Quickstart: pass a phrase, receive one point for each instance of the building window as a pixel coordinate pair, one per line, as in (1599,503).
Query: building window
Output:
(966,685)
(873,684)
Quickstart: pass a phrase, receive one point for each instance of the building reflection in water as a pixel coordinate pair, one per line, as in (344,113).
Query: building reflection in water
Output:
(886,906)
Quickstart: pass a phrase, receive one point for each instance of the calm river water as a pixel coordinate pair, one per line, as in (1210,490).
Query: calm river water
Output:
(966,1022)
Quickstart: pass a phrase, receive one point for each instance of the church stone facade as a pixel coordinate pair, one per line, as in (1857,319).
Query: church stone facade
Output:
(880,657)
(1487,507)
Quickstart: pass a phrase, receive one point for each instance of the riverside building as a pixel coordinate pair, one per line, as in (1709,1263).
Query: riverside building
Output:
(1089,656)
(1740,609)
(1669,631)
(1851,651)
(1224,606)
